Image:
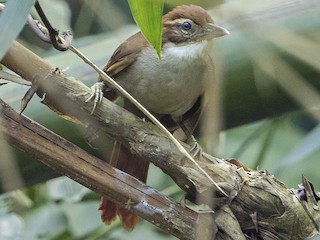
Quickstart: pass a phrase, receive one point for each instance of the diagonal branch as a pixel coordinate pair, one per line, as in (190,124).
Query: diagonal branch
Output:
(70,160)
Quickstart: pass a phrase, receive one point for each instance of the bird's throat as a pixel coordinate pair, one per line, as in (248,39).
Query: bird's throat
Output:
(190,51)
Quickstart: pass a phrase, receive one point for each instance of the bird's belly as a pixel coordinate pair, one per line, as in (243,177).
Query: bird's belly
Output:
(165,92)
(167,97)
(165,86)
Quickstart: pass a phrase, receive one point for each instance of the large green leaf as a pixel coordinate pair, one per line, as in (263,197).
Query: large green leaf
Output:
(147,14)
(12,20)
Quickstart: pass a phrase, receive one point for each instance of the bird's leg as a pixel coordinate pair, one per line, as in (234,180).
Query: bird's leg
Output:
(184,129)
(195,149)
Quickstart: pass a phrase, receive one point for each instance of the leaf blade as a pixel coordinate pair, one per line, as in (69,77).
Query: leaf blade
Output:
(12,20)
(148,16)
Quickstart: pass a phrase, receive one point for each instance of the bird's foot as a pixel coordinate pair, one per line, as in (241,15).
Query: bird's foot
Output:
(195,148)
(96,95)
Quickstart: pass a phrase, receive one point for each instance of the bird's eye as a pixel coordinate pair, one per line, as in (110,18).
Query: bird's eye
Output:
(186,25)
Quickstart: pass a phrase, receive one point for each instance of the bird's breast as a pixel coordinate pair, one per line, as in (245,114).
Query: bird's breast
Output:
(170,85)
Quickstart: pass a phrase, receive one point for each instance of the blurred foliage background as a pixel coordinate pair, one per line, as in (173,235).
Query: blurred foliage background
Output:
(266,111)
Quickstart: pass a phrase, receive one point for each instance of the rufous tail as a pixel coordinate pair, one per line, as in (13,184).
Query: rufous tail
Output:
(124,160)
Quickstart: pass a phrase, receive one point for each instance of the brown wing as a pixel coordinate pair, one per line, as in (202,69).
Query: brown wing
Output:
(123,57)
(125,54)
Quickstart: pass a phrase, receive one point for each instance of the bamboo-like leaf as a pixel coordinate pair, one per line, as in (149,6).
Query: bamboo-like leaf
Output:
(147,14)
(307,146)
(12,20)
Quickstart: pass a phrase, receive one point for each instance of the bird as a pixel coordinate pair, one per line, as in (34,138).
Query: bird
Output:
(172,88)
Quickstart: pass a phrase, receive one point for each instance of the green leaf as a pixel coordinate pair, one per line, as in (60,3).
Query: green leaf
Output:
(12,20)
(11,226)
(45,222)
(83,218)
(148,16)
(307,146)
(65,189)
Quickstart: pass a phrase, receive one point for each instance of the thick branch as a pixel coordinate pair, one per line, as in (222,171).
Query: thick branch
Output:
(259,205)
(70,160)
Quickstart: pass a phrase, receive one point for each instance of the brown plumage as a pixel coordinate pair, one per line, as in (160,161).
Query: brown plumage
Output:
(172,88)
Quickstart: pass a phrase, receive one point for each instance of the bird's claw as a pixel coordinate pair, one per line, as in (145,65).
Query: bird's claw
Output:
(96,95)
(195,148)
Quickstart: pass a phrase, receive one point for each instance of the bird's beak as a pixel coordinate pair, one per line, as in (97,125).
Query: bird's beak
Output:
(216,31)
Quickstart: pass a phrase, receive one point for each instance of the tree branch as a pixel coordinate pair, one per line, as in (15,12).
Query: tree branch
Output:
(70,160)
(258,206)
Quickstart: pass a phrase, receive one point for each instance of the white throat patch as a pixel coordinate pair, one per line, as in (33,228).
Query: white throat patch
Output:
(188,51)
